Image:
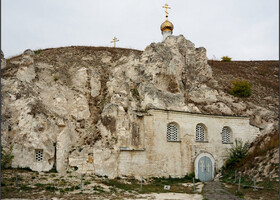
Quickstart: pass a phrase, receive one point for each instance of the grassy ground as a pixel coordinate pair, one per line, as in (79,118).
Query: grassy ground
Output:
(269,191)
(155,185)
(38,185)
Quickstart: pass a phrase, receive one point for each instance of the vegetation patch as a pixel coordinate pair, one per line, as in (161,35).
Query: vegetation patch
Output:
(6,157)
(241,88)
(98,188)
(237,152)
(38,51)
(24,187)
(226,59)
(153,185)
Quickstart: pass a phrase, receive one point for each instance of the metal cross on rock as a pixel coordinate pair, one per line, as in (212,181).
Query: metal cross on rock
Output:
(115,40)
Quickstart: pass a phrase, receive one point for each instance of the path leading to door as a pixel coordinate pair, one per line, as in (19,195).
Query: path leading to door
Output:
(213,191)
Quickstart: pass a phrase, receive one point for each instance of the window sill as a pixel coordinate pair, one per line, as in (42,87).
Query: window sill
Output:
(202,141)
(175,141)
(127,149)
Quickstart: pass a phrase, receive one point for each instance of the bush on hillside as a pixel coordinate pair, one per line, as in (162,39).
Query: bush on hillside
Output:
(226,59)
(237,152)
(241,88)
(6,158)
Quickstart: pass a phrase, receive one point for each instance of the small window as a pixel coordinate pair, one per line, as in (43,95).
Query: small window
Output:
(39,155)
(226,135)
(200,133)
(172,132)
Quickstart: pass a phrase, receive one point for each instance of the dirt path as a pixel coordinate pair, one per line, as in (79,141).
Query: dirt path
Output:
(169,196)
(214,191)
(153,196)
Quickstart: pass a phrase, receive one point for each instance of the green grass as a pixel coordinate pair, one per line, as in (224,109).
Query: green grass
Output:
(51,188)
(87,183)
(156,185)
(25,187)
(70,188)
(38,51)
(98,188)
(39,185)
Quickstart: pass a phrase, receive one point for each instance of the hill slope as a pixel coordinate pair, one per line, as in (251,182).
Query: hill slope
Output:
(82,97)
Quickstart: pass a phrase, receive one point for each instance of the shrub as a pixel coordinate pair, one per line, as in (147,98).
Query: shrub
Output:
(24,187)
(226,59)
(38,51)
(237,152)
(6,157)
(241,88)
(51,188)
(55,78)
(239,194)
(87,182)
(190,176)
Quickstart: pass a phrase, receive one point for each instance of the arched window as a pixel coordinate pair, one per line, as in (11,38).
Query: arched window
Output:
(226,138)
(172,132)
(200,133)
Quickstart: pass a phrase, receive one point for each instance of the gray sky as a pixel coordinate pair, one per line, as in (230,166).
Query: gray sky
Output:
(241,29)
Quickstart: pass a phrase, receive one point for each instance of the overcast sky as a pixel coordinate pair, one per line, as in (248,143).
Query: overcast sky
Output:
(241,29)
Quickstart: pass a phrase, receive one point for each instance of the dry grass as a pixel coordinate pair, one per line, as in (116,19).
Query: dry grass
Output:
(261,148)
(270,190)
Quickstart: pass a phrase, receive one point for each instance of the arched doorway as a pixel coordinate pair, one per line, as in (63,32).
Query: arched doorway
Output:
(204,167)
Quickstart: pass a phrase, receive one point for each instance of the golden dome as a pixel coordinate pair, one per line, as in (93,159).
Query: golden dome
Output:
(167,26)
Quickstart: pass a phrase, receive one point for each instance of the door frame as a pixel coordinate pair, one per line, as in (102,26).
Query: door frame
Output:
(198,158)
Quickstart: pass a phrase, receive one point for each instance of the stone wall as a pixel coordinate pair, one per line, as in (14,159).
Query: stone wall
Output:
(161,158)
(86,108)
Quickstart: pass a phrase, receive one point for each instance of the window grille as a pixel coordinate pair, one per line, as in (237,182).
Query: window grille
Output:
(225,135)
(200,133)
(39,155)
(172,132)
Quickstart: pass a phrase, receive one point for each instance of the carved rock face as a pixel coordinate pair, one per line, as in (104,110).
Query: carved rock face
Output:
(90,95)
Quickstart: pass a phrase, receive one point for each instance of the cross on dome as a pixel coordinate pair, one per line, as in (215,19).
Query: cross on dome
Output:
(166,7)
(166,27)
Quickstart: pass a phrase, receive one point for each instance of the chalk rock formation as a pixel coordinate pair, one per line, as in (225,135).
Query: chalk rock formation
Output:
(3,60)
(76,101)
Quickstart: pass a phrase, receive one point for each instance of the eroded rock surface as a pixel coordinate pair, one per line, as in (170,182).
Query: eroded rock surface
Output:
(76,101)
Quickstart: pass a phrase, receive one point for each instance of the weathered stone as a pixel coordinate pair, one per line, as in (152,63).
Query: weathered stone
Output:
(27,58)
(80,79)
(28,52)
(95,86)
(2,55)
(80,107)
(26,74)
(3,60)
(220,108)
(203,94)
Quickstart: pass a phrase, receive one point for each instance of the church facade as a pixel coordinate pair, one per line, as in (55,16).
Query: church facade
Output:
(175,143)
(135,136)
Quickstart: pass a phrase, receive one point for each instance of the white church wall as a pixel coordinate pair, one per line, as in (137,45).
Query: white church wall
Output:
(176,159)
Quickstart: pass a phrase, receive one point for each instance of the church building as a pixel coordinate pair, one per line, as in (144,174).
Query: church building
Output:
(176,143)
(123,112)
